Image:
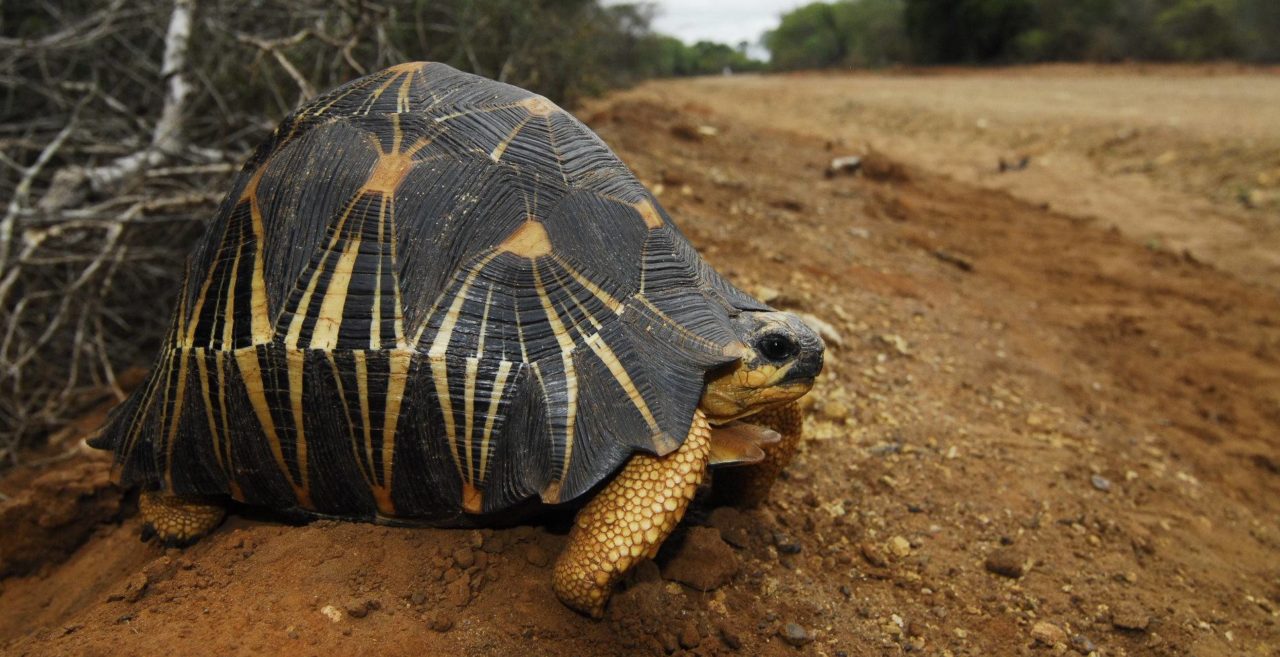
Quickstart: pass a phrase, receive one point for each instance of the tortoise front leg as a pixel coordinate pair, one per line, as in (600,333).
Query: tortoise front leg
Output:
(749,485)
(629,520)
(178,520)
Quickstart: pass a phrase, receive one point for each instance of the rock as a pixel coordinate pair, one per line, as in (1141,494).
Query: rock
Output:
(440,622)
(785,544)
(877,167)
(730,637)
(686,132)
(735,528)
(1130,616)
(896,342)
(134,588)
(493,544)
(536,556)
(332,613)
(689,637)
(954,259)
(54,514)
(1016,163)
(794,635)
(1100,482)
(1048,634)
(464,557)
(848,164)
(670,643)
(899,547)
(874,555)
(357,609)
(836,411)
(703,562)
(1008,562)
(1082,644)
(458,592)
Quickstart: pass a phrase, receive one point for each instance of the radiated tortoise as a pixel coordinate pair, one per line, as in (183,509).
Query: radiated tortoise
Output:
(431,297)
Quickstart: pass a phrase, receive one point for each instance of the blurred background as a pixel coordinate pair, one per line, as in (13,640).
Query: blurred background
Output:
(121,120)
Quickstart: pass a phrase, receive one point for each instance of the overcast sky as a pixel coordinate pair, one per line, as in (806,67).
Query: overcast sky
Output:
(726,21)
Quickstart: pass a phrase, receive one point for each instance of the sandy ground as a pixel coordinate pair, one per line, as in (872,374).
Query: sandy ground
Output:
(1049,425)
(1184,159)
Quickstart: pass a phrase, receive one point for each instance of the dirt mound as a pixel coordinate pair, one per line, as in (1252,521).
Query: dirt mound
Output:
(55,514)
(1036,437)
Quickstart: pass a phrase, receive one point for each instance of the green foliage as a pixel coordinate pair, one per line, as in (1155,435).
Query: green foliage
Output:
(945,31)
(808,37)
(874,31)
(851,32)
(1199,29)
(673,58)
(881,32)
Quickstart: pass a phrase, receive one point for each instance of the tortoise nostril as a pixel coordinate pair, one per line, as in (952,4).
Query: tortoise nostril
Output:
(777,347)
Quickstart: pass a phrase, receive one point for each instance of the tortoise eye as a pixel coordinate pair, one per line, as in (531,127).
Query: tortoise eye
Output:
(777,347)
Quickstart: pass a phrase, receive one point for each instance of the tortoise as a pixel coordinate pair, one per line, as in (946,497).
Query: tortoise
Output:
(432,298)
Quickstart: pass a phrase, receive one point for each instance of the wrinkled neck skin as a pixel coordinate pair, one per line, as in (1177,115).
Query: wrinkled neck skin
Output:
(779,361)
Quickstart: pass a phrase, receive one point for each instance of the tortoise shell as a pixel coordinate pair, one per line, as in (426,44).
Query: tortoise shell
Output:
(427,295)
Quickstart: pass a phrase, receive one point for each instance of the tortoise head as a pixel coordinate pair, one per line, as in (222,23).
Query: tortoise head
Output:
(780,358)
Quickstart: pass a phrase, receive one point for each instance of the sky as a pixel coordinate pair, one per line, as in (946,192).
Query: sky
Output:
(726,21)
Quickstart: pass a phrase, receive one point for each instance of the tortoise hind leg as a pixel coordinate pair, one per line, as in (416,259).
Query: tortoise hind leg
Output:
(178,520)
(749,485)
(629,519)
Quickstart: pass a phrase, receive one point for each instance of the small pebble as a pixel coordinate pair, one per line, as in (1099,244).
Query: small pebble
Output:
(1048,634)
(785,544)
(689,637)
(1130,616)
(440,623)
(1007,562)
(733,525)
(795,635)
(536,556)
(1100,482)
(899,547)
(1082,644)
(730,638)
(874,555)
(836,411)
(464,557)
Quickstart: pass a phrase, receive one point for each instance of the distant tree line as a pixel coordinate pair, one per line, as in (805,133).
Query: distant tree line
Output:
(884,32)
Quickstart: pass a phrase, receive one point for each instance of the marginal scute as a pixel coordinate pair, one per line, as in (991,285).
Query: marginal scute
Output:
(649,213)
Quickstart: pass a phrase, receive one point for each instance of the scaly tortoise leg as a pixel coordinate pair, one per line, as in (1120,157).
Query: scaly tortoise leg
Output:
(629,519)
(178,520)
(749,485)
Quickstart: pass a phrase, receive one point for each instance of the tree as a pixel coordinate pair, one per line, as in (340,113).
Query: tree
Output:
(1200,29)
(973,31)
(807,37)
(873,32)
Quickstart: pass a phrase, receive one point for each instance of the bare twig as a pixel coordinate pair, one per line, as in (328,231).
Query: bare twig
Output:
(275,49)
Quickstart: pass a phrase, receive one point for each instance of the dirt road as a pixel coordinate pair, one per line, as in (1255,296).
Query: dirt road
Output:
(1183,159)
(1040,431)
